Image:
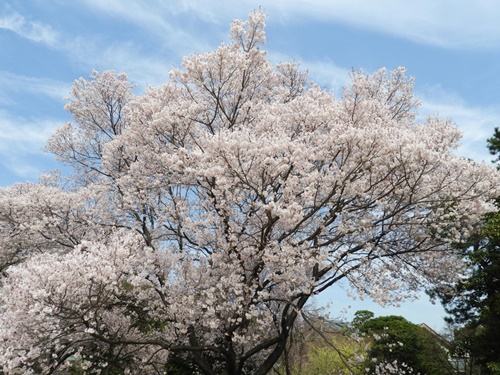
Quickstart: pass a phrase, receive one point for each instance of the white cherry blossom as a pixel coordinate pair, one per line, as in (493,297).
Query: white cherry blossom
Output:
(203,215)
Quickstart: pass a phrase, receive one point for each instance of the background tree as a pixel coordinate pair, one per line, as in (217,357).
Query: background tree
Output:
(479,294)
(203,215)
(474,302)
(322,346)
(396,340)
(462,350)
(362,316)
(341,355)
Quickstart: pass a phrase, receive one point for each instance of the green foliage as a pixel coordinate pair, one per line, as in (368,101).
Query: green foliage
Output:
(339,357)
(433,357)
(494,144)
(494,367)
(396,339)
(361,316)
(474,302)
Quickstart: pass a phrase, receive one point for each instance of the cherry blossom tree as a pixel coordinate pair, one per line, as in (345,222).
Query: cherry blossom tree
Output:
(204,214)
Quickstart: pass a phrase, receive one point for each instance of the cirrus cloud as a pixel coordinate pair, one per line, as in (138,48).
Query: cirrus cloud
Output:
(32,30)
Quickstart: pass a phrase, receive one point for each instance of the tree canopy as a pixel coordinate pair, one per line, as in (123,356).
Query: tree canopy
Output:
(203,215)
(397,340)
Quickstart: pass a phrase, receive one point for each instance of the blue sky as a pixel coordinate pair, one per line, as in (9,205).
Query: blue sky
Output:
(451,47)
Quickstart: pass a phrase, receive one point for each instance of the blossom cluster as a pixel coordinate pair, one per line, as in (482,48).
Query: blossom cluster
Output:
(204,214)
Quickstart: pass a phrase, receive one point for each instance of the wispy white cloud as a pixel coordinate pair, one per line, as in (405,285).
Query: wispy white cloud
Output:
(141,69)
(21,141)
(146,14)
(125,57)
(10,82)
(92,51)
(444,23)
(32,30)
(156,16)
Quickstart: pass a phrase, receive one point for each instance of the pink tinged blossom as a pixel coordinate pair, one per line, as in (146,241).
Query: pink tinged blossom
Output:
(204,214)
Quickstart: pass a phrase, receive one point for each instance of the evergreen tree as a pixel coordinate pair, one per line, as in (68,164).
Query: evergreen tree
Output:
(397,340)
(474,302)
